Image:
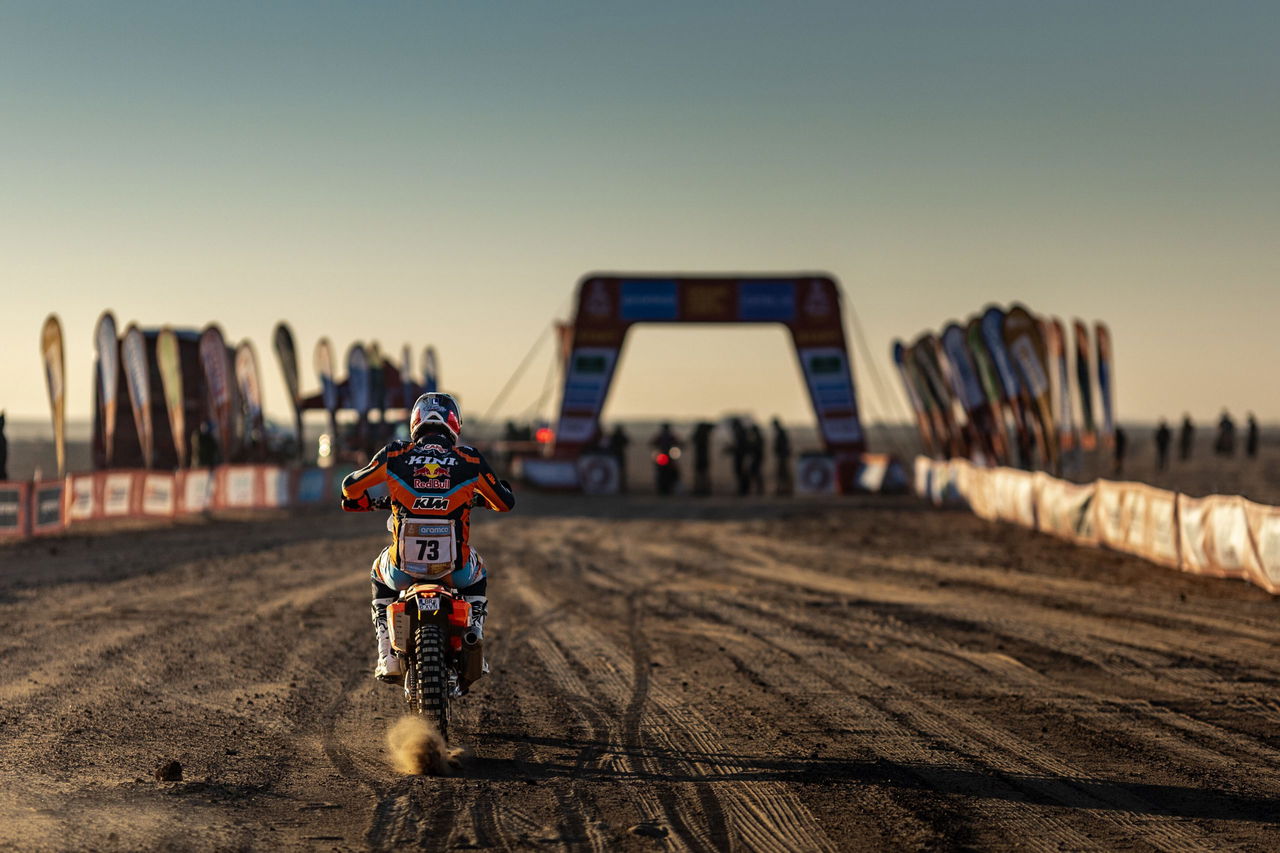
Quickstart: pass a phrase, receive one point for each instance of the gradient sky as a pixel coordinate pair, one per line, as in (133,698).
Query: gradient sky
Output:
(445,172)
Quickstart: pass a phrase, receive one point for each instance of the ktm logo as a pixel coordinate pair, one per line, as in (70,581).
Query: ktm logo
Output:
(431,503)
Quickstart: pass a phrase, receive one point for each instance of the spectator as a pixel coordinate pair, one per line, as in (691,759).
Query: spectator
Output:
(1251,437)
(1164,436)
(1226,442)
(782,457)
(4,451)
(1186,438)
(206,447)
(666,447)
(754,461)
(1122,444)
(618,442)
(702,458)
(738,450)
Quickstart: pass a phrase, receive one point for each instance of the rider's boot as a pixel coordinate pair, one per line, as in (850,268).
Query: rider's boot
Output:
(476,666)
(389,667)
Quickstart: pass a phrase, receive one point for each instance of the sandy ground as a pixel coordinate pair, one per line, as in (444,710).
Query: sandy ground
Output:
(765,675)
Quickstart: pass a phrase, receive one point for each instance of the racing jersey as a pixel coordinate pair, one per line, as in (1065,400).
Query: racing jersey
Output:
(431,485)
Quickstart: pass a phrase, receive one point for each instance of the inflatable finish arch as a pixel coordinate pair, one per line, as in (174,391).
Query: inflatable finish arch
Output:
(609,304)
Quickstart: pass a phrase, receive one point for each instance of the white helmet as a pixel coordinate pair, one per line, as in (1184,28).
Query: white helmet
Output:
(435,412)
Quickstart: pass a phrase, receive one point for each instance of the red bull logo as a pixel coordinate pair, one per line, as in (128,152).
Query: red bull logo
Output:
(431,475)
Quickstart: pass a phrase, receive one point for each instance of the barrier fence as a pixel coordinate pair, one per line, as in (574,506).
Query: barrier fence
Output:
(52,506)
(1219,536)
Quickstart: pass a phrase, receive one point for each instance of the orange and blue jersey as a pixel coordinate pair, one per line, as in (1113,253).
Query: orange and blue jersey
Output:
(431,480)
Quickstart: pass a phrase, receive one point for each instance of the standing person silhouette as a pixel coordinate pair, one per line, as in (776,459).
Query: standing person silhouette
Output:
(1251,437)
(1164,436)
(754,461)
(4,451)
(1186,438)
(618,442)
(782,457)
(1122,445)
(738,450)
(1226,442)
(702,458)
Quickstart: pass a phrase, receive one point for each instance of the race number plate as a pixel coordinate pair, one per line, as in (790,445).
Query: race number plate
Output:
(426,547)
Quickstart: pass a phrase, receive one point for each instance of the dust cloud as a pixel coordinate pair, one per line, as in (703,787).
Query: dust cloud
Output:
(418,749)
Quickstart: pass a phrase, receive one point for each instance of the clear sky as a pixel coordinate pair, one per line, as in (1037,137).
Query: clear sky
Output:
(444,172)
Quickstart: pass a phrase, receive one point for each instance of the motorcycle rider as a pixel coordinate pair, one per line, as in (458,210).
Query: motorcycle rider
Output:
(428,476)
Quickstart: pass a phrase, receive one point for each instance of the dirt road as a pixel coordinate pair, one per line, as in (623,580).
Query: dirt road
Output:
(770,675)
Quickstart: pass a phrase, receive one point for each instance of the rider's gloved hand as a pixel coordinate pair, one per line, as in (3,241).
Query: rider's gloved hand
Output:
(360,504)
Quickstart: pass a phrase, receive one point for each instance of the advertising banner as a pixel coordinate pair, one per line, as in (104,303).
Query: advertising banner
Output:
(137,374)
(55,376)
(992,387)
(249,384)
(987,434)
(287,355)
(323,359)
(935,388)
(608,305)
(13,509)
(430,371)
(107,347)
(1106,376)
(1029,355)
(83,497)
(47,507)
(1068,433)
(408,385)
(159,495)
(907,375)
(1089,433)
(169,362)
(219,396)
(197,490)
(117,494)
(359,390)
(377,378)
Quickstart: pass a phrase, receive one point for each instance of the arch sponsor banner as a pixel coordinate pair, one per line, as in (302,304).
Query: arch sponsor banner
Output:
(608,305)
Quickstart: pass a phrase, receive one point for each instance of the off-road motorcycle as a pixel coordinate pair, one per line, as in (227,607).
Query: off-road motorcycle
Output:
(431,630)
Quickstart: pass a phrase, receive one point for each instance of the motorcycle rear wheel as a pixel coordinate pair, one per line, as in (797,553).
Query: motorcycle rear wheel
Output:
(432,682)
